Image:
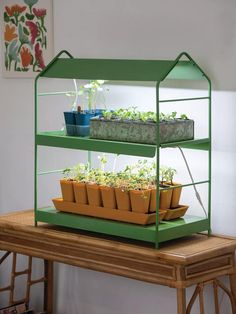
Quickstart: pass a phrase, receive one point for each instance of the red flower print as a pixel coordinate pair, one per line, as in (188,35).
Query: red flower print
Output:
(34,32)
(14,10)
(39,12)
(39,56)
(26,57)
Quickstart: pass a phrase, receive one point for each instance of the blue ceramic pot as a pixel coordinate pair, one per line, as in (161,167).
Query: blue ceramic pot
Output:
(69,117)
(70,122)
(83,118)
(82,130)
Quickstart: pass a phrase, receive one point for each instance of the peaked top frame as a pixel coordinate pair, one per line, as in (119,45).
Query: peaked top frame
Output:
(123,70)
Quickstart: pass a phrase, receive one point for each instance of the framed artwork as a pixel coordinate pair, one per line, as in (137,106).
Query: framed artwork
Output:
(27,36)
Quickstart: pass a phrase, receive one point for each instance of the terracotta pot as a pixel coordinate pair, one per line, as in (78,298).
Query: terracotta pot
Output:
(176,193)
(108,196)
(153,201)
(122,199)
(94,194)
(80,192)
(165,198)
(140,200)
(67,190)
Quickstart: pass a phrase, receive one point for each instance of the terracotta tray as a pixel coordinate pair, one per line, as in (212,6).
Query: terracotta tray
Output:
(107,213)
(176,213)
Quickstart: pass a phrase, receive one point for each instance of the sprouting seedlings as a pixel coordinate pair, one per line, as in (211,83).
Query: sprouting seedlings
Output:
(91,91)
(67,173)
(103,161)
(139,176)
(81,171)
(167,174)
(183,116)
(107,114)
(133,114)
(74,94)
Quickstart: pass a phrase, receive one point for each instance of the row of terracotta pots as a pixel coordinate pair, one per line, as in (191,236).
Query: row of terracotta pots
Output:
(142,201)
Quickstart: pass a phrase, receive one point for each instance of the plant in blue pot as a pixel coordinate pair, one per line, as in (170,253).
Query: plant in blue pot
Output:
(90,94)
(69,116)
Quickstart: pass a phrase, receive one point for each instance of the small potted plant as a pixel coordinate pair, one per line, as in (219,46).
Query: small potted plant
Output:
(69,116)
(108,190)
(67,185)
(89,94)
(139,186)
(139,195)
(176,191)
(96,178)
(152,187)
(79,184)
(165,190)
(78,119)
(122,192)
(93,188)
(105,180)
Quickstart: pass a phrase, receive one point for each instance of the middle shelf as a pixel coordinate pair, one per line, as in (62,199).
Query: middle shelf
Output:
(59,139)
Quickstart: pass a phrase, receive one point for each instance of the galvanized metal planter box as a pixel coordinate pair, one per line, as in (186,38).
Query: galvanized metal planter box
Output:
(141,132)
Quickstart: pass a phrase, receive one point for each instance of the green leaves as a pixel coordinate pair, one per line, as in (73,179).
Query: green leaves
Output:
(183,116)
(23,38)
(138,176)
(171,116)
(30,2)
(13,50)
(107,114)
(6,17)
(26,32)
(29,16)
(167,174)
(133,114)
(6,60)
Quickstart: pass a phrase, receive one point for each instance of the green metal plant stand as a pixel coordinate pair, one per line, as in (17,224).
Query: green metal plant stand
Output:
(124,70)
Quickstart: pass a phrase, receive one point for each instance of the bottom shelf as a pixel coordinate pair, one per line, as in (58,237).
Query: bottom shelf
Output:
(167,229)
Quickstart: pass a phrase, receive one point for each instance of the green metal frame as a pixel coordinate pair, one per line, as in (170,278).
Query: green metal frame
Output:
(124,70)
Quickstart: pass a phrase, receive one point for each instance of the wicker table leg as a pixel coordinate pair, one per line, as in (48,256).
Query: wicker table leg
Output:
(48,287)
(181,300)
(232,279)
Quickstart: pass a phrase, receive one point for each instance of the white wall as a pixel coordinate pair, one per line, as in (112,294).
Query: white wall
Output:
(127,29)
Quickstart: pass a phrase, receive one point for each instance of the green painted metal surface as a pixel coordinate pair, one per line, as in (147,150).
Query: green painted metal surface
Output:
(125,70)
(58,139)
(122,69)
(182,227)
(182,99)
(95,69)
(186,70)
(167,230)
(200,144)
(50,215)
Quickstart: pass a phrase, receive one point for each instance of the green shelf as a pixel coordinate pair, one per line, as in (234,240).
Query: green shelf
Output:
(167,230)
(200,144)
(59,139)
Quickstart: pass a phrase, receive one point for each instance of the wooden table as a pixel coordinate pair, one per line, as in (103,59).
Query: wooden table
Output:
(196,260)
